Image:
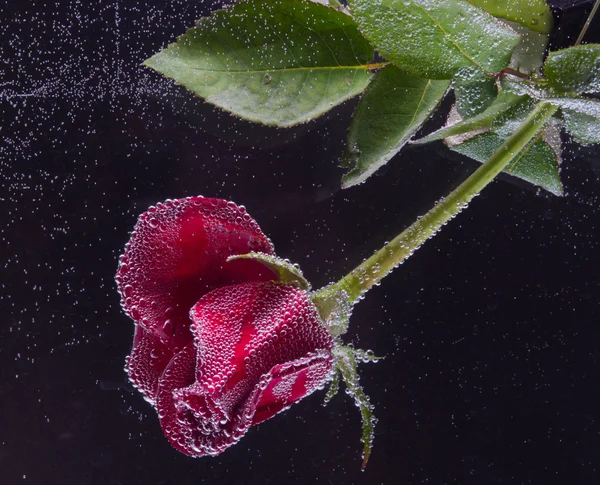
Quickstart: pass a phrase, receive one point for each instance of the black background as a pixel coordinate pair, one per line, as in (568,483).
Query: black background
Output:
(490,331)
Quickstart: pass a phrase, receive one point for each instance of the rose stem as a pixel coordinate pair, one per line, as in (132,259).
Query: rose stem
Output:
(587,22)
(371,271)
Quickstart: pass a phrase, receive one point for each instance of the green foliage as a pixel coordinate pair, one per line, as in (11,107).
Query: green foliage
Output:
(529,53)
(393,108)
(277,62)
(534,14)
(581,117)
(538,163)
(479,137)
(286,271)
(435,39)
(583,127)
(284,62)
(507,122)
(483,121)
(345,362)
(473,98)
(576,69)
(334,386)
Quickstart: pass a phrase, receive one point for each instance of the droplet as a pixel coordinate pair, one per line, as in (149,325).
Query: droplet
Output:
(168,328)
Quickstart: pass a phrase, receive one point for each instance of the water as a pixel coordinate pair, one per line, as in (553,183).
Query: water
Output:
(490,330)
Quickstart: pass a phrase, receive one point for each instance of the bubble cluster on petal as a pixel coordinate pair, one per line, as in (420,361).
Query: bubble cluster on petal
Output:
(177,253)
(259,348)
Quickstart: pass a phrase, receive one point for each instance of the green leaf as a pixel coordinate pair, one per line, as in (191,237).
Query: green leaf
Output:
(435,39)
(345,362)
(538,163)
(528,56)
(534,14)
(509,121)
(277,62)
(287,272)
(581,117)
(473,98)
(579,104)
(393,108)
(483,121)
(583,127)
(576,69)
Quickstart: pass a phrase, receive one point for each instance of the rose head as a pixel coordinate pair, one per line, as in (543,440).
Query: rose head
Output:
(218,345)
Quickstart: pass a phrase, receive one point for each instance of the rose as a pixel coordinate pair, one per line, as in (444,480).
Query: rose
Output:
(219,345)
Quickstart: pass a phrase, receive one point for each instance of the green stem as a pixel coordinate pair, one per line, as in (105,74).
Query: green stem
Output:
(587,22)
(372,271)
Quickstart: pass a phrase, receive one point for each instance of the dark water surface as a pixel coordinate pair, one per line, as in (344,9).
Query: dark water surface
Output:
(491,331)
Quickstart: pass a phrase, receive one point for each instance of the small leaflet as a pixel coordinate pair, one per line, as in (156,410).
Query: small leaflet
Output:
(287,272)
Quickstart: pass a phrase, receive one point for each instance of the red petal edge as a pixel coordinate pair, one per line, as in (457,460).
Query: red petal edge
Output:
(149,358)
(288,383)
(258,348)
(177,253)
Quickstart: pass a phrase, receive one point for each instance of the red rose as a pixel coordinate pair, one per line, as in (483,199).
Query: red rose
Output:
(218,346)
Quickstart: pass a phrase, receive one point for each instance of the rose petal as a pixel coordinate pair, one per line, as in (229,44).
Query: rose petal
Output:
(149,358)
(178,374)
(245,330)
(259,347)
(191,420)
(177,253)
(288,383)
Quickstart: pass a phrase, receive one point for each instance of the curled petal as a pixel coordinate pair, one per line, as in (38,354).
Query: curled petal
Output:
(149,358)
(177,253)
(244,331)
(259,347)
(179,373)
(192,421)
(288,383)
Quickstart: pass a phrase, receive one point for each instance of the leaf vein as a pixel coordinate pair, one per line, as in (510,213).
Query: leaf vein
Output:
(448,37)
(305,27)
(425,89)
